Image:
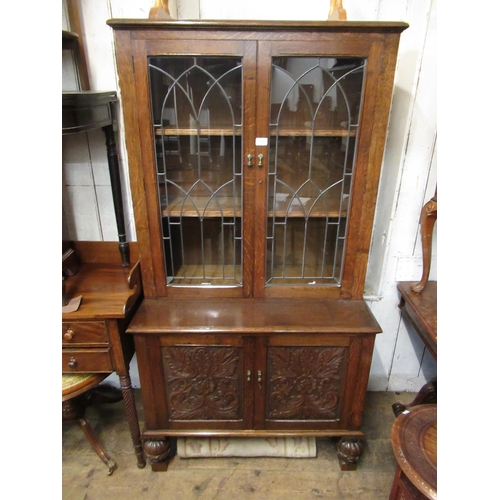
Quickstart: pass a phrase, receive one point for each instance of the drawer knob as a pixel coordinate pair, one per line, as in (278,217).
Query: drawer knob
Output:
(72,362)
(69,334)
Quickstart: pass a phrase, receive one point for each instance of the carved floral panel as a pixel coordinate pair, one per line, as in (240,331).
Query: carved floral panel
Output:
(305,383)
(202,382)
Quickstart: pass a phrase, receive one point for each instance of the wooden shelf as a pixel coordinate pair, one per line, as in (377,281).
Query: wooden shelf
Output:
(225,131)
(298,210)
(229,131)
(318,132)
(196,207)
(217,275)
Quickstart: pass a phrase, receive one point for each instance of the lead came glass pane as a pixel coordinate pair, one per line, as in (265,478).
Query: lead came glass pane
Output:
(315,109)
(197,127)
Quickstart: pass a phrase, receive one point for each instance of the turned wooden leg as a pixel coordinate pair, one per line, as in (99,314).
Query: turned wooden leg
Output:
(92,439)
(114,172)
(349,450)
(157,451)
(132,418)
(426,395)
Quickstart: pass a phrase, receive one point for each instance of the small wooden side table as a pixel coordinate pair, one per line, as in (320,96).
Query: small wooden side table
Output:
(93,337)
(420,308)
(414,442)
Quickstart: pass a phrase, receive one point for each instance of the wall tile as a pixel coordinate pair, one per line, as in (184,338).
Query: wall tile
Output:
(76,160)
(80,211)
(106,213)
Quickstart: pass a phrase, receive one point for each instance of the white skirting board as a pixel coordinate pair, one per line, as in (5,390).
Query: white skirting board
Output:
(289,447)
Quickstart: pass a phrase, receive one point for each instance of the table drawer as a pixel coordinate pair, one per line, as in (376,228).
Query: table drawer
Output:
(84,332)
(86,360)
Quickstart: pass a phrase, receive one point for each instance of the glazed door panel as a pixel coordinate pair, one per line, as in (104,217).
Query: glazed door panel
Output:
(198,126)
(312,107)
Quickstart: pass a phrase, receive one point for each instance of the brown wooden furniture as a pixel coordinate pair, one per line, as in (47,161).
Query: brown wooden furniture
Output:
(428,217)
(414,441)
(75,399)
(86,110)
(254,368)
(420,308)
(93,337)
(253,258)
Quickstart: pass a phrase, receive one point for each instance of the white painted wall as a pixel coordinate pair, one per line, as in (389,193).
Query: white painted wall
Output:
(400,362)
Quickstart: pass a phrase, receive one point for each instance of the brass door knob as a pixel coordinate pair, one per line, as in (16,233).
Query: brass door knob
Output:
(69,334)
(72,363)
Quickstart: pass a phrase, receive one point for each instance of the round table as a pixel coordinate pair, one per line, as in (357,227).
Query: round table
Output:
(414,441)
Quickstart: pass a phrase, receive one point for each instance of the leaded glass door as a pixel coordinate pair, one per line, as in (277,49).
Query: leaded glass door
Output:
(196,104)
(314,112)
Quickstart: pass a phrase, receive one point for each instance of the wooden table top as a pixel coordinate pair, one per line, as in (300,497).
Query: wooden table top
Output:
(414,441)
(108,291)
(422,309)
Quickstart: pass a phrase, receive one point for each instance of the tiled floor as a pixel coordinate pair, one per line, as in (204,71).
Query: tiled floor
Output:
(84,475)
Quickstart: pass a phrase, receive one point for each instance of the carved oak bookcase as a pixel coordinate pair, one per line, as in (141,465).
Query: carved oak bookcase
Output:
(255,151)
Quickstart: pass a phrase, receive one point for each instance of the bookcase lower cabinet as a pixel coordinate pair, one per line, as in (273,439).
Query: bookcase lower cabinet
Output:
(270,380)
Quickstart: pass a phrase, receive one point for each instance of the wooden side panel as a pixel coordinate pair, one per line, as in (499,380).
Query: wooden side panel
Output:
(103,252)
(358,371)
(125,68)
(149,362)
(140,51)
(383,56)
(120,362)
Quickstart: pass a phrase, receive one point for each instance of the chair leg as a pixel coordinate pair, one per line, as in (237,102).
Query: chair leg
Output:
(92,438)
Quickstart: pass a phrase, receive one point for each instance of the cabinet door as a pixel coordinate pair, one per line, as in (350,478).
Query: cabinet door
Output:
(319,114)
(312,382)
(194,137)
(207,382)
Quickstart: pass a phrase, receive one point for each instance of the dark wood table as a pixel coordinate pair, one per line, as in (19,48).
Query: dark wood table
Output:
(93,336)
(86,110)
(414,442)
(420,308)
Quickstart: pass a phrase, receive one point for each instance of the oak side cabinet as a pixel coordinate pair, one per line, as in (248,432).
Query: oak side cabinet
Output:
(255,151)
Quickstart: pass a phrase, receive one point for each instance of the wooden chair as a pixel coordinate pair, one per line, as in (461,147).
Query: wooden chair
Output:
(78,392)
